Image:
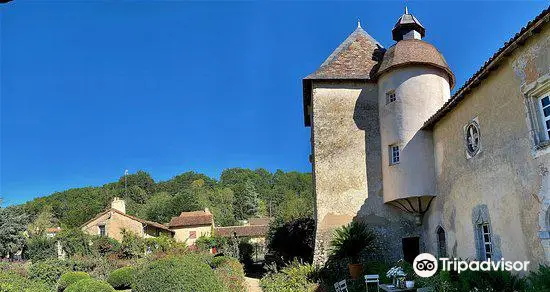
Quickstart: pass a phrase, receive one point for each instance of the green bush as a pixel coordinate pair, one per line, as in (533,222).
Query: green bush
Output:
(97,267)
(48,271)
(292,278)
(75,242)
(230,272)
(40,248)
(122,278)
(184,273)
(103,245)
(540,280)
(13,282)
(502,281)
(90,285)
(69,278)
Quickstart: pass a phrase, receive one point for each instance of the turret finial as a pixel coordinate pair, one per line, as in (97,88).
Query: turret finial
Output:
(406,10)
(358,23)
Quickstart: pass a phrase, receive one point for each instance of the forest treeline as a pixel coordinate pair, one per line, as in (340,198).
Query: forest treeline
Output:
(239,194)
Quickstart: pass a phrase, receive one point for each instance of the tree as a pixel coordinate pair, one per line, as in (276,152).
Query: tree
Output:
(44,221)
(294,239)
(247,202)
(140,179)
(12,227)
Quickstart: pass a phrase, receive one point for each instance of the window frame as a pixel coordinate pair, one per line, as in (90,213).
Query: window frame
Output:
(392,155)
(391,96)
(489,242)
(441,242)
(534,92)
(542,119)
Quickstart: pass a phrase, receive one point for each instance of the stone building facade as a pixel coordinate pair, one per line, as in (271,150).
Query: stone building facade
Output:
(463,175)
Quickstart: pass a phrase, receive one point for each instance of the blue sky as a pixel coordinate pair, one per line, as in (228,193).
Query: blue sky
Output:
(89,89)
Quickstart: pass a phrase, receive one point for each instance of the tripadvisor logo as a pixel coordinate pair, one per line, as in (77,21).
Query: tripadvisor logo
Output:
(425,265)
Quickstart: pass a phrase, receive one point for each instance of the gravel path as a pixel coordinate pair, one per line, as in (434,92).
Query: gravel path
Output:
(253,284)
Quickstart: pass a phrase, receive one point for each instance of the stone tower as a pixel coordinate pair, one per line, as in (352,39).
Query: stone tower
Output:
(352,128)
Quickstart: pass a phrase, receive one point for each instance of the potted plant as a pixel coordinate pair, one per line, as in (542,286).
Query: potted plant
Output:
(349,241)
(397,275)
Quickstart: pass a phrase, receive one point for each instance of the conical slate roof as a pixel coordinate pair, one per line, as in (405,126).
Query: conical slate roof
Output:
(355,58)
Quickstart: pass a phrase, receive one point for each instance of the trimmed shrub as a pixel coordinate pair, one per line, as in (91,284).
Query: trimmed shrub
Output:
(230,272)
(184,273)
(48,271)
(293,278)
(70,278)
(40,248)
(13,282)
(90,285)
(122,278)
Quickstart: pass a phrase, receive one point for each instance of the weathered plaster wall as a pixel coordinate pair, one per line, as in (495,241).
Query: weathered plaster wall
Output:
(114,223)
(182,234)
(420,92)
(347,166)
(505,177)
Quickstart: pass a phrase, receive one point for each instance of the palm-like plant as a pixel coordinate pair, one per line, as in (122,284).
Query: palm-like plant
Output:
(350,240)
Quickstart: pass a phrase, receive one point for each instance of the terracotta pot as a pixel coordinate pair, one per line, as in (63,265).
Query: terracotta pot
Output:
(355,270)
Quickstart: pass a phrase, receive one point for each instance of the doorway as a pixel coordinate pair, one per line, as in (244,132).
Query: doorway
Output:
(411,248)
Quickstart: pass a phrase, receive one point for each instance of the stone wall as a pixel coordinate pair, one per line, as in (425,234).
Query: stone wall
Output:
(504,180)
(347,167)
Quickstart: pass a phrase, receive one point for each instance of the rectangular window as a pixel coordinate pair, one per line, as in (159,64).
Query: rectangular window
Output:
(390,96)
(394,154)
(544,105)
(192,234)
(486,238)
(102,230)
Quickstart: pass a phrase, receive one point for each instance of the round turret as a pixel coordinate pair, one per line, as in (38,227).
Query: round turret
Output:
(414,81)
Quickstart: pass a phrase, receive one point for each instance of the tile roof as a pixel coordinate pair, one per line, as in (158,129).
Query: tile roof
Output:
(517,40)
(354,59)
(242,231)
(53,230)
(150,223)
(191,219)
(407,52)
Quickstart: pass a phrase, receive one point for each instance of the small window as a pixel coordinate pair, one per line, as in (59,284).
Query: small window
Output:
(192,234)
(102,230)
(390,96)
(487,248)
(544,105)
(394,154)
(441,243)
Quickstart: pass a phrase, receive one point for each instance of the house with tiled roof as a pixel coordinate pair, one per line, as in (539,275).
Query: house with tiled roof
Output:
(189,226)
(114,220)
(462,175)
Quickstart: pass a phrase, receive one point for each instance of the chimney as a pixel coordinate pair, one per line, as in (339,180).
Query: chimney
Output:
(119,204)
(206,210)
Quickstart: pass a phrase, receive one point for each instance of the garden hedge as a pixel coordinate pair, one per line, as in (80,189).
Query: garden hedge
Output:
(48,271)
(184,273)
(69,278)
(13,282)
(122,278)
(230,272)
(90,285)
